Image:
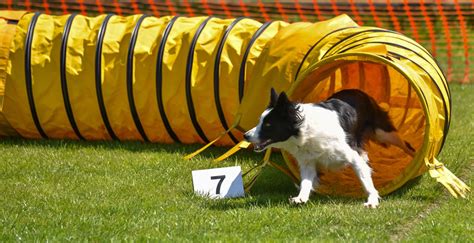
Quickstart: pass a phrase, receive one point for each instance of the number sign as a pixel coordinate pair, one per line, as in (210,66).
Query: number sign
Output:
(219,183)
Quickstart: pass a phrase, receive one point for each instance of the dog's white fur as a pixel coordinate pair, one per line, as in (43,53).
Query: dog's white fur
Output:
(322,144)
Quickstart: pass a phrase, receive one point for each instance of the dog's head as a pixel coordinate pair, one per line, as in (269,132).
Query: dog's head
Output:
(280,121)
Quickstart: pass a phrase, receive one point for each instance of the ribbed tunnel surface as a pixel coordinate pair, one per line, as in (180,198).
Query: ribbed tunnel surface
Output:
(132,59)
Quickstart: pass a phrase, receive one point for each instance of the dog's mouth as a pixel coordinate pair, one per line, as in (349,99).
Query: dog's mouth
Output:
(259,147)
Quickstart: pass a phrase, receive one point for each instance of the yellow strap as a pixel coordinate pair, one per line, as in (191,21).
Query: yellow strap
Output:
(191,155)
(454,185)
(284,170)
(233,150)
(236,123)
(266,160)
(250,184)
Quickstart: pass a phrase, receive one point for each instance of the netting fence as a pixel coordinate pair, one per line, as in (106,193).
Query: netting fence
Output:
(444,27)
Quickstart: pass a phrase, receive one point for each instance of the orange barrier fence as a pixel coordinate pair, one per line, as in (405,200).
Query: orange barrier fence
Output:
(445,27)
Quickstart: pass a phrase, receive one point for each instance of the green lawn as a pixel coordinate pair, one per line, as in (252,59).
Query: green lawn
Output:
(65,190)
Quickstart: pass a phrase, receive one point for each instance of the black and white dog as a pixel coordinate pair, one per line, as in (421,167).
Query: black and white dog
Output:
(330,134)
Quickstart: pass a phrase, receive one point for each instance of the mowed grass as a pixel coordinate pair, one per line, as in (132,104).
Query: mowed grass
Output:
(67,190)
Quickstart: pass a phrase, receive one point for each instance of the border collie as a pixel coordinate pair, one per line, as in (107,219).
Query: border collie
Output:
(330,134)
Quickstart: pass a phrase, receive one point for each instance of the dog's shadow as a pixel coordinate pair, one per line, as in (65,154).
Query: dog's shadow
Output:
(273,189)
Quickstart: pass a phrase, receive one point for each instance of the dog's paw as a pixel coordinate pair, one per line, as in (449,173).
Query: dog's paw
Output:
(371,205)
(372,202)
(297,200)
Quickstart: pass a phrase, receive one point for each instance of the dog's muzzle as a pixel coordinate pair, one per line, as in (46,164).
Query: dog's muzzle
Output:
(258,146)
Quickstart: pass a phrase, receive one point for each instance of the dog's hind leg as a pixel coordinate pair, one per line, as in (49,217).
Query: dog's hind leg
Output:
(364,173)
(308,178)
(393,138)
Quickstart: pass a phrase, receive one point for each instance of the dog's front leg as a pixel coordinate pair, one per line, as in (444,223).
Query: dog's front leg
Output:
(308,177)
(364,172)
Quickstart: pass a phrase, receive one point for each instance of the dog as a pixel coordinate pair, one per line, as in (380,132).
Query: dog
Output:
(330,134)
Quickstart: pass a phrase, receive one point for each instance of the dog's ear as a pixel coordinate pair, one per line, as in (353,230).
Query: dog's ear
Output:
(288,109)
(273,98)
(283,100)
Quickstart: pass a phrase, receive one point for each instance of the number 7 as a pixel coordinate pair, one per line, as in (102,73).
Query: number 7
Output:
(221,179)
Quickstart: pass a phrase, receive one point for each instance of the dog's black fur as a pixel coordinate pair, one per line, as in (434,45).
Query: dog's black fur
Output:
(284,117)
(359,115)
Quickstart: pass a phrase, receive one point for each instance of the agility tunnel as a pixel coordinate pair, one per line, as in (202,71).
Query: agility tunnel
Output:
(206,80)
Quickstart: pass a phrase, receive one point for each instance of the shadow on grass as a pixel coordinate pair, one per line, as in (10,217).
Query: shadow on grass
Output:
(406,188)
(271,201)
(273,189)
(132,146)
(281,199)
(407,191)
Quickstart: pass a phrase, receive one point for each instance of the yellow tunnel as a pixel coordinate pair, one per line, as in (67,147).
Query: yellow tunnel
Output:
(192,80)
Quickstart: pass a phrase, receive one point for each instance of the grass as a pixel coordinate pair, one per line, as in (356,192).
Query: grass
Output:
(66,190)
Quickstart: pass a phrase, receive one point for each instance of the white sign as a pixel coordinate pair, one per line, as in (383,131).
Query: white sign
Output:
(219,182)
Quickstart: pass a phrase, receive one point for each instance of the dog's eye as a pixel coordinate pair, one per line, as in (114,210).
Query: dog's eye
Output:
(267,124)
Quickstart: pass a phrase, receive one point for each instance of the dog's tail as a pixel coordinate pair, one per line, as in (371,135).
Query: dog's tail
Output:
(392,138)
(385,132)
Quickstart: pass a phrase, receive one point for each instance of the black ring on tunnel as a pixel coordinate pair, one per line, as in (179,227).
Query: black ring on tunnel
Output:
(64,88)
(314,45)
(159,80)
(375,30)
(217,63)
(28,78)
(98,77)
(246,54)
(189,71)
(130,67)
(435,66)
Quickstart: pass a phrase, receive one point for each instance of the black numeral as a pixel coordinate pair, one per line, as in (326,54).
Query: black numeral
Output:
(221,179)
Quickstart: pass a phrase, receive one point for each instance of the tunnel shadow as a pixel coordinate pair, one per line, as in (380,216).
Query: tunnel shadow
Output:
(132,146)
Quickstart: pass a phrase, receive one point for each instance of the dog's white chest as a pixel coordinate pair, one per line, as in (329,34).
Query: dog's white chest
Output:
(328,156)
(322,139)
